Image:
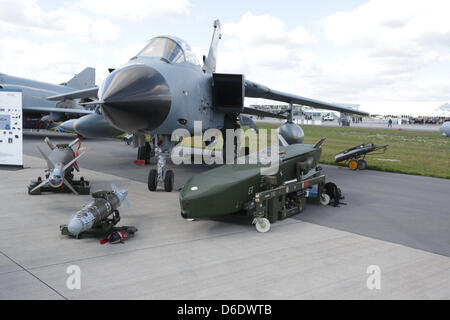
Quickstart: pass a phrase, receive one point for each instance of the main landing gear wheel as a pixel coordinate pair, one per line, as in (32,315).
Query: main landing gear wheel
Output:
(168,181)
(362,164)
(262,224)
(325,199)
(152,180)
(353,164)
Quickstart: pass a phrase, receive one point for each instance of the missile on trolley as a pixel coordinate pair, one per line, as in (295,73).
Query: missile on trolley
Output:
(235,191)
(104,204)
(60,163)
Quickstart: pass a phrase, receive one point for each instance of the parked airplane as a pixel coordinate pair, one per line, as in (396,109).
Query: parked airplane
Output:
(38,111)
(164,88)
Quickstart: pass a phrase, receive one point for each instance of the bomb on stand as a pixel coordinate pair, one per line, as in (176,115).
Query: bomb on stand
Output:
(99,216)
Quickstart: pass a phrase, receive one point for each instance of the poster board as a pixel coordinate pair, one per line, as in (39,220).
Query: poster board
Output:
(11,133)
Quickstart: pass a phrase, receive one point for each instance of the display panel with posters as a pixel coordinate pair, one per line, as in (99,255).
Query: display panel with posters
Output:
(11,136)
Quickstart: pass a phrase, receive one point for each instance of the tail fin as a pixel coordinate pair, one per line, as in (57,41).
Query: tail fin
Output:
(49,143)
(67,166)
(209,63)
(319,144)
(85,79)
(50,164)
(122,194)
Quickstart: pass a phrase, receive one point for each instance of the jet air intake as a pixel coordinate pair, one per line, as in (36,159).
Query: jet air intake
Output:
(135,97)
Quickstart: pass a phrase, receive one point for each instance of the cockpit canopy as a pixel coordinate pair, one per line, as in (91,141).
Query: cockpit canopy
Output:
(172,49)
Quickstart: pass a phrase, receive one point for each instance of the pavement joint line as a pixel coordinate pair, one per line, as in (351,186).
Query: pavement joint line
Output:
(33,275)
(298,220)
(293,222)
(145,248)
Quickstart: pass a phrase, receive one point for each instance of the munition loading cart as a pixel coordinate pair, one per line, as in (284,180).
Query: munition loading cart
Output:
(355,157)
(81,186)
(105,227)
(286,200)
(104,207)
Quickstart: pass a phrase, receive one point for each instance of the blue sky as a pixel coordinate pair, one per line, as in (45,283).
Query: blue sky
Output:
(388,56)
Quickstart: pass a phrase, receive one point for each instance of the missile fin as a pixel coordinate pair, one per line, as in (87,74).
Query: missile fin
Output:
(72,162)
(40,185)
(49,162)
(67,184)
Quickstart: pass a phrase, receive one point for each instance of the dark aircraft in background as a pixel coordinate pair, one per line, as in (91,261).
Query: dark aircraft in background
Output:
(164,88)
(39,111)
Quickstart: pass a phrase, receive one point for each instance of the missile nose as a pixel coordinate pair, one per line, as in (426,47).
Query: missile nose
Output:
(75,226)
(135,97)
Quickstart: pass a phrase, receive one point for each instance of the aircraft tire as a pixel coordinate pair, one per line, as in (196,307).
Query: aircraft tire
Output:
(152,180)
(168,181)
(362,164)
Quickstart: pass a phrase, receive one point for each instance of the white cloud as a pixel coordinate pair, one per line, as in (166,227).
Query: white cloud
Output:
(385,23)
(391,39)
(137,9)
(50,62)
(259,42)
(25,16)
(382,46)
(254,30)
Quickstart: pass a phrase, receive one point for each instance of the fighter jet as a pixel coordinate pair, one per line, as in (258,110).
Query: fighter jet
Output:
(60,162)
(164,88)
(38,110)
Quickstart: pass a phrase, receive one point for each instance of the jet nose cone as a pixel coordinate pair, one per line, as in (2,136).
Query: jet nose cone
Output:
(135,97)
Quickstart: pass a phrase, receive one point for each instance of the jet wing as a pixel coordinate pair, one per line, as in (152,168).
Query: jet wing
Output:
(255,90)
(261,113)
(79,94)
(58,110)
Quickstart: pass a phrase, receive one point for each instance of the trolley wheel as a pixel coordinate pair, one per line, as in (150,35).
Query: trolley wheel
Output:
(325,199)
(152,180)
(168,181)
(362,164)
(262,224)
(353,164)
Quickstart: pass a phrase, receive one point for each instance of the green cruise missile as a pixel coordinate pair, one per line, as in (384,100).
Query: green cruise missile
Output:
(241,190)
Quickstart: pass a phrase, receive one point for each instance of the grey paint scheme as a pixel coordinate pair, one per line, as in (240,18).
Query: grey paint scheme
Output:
(95,126)
(445,129)
(190,89)
(35,93)
(61,158)
(185,78)
(191,100)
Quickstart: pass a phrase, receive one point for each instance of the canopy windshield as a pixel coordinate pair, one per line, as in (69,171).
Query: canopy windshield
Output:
(173,50)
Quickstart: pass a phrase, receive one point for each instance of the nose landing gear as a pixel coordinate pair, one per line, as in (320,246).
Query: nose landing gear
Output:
(161,176)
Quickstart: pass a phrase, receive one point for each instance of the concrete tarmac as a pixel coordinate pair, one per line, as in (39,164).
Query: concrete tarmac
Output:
(397,222)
